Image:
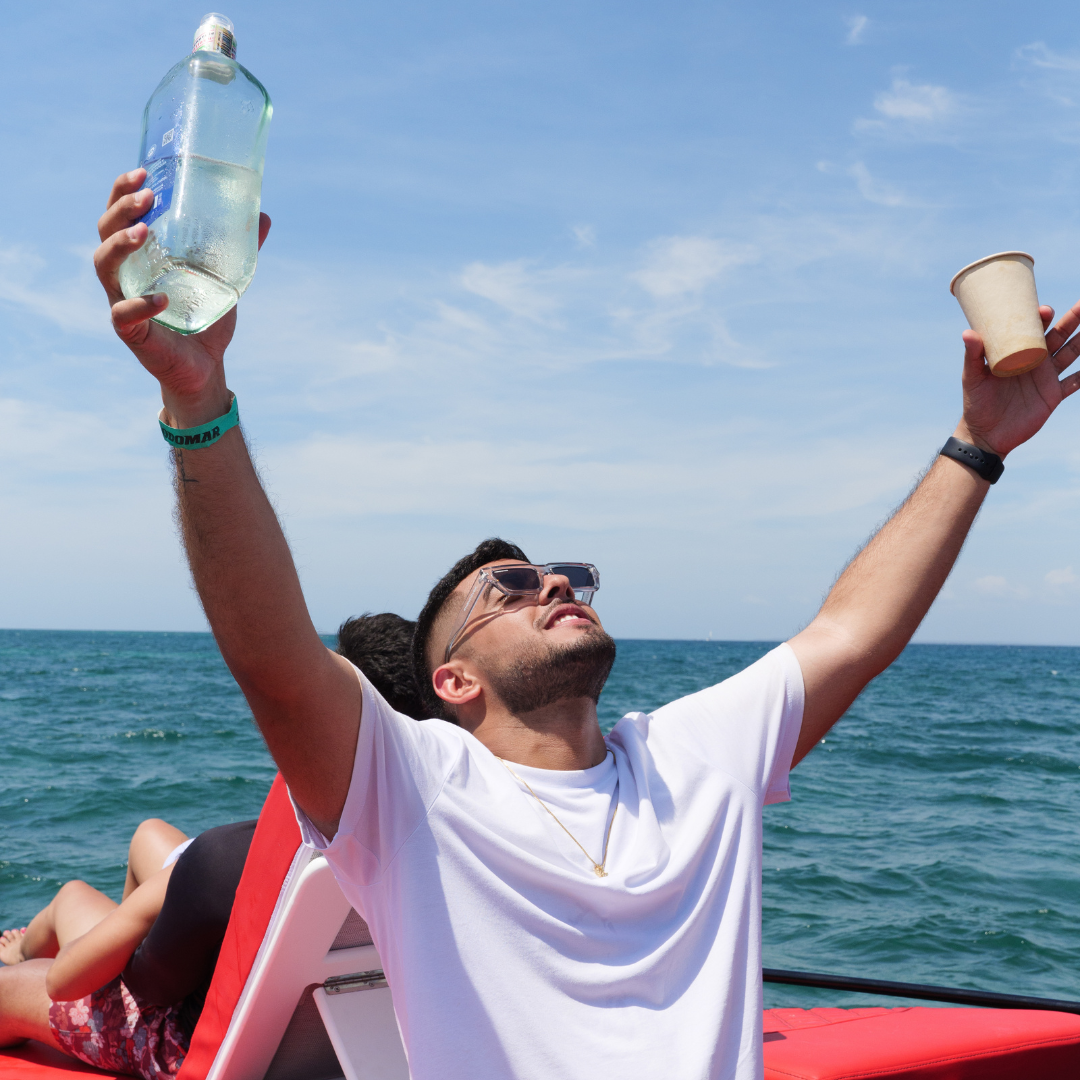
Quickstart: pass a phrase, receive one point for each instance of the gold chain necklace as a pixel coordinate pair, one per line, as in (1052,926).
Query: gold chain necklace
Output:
(598,867)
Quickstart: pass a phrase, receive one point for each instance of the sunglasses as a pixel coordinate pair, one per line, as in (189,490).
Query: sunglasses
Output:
(521,579)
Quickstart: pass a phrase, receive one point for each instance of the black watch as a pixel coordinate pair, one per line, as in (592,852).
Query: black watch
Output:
(988,466)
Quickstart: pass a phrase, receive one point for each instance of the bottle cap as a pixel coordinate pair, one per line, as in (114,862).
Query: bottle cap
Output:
(215,34)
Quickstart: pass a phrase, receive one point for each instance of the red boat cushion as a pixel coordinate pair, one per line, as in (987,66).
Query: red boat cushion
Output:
(277,836)
(35,1061)
(923,1043)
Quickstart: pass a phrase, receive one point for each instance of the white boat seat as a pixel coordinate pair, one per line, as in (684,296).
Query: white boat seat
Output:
(315,1005)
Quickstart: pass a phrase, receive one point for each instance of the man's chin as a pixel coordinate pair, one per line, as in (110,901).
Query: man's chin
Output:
(556,671)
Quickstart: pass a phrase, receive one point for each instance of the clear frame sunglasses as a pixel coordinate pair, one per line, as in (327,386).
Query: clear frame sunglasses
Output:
(524,579)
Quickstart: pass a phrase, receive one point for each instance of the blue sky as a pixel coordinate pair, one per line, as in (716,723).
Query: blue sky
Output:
(662,287)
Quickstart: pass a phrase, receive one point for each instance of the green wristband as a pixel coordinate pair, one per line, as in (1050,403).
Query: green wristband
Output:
(204,434)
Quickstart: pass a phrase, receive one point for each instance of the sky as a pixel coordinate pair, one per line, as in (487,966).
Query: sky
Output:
(661,287)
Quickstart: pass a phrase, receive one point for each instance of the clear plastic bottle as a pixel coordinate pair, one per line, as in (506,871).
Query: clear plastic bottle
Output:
(203,147)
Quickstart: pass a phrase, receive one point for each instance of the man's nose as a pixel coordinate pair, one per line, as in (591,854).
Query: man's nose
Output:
(557,587)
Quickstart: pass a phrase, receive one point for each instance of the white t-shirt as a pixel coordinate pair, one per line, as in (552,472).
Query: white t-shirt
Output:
(507,957)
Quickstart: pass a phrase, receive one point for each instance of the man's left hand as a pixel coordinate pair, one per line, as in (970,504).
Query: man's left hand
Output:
(1000,414)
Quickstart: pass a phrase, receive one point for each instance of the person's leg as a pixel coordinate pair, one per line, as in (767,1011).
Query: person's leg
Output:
(76,908)
(24,1005)
(150,846)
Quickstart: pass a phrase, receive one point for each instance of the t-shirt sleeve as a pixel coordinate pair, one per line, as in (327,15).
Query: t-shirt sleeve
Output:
(399,769)
(747,725)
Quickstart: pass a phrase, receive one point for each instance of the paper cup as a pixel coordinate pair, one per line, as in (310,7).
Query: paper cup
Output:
(999,299)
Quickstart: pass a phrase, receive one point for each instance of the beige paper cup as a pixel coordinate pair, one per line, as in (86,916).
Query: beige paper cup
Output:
(999,299)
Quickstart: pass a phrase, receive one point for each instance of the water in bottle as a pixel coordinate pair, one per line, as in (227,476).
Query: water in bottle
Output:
(203,147)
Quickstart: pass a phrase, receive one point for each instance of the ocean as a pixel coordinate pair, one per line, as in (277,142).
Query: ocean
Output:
(932,838)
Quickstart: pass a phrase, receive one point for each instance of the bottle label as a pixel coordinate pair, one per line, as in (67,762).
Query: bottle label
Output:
(210,37)
(160,164)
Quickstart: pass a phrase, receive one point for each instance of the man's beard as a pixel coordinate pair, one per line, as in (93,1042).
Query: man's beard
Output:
(545,675)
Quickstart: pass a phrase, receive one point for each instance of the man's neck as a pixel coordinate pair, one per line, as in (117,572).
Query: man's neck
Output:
(562,736)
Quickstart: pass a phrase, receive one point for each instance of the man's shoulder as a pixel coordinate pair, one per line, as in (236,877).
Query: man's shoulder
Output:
(736,727)
(758,690)
(767,676)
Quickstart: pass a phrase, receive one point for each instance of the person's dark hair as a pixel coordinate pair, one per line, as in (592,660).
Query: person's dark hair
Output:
(489,550)
(379,645)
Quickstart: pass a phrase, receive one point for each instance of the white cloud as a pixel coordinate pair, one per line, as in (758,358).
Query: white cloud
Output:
(923,104)
(74,302)
(510,285)
(1038,55)
(527,480)
(677,265)
(1054,74)
(584,235)
(682,305)
(873,190)
(476,320)
(455,320)
(1061,578)
(856,25)
(999,588)
(39,441)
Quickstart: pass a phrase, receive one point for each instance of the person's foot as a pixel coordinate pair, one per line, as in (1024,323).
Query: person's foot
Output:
(11,946)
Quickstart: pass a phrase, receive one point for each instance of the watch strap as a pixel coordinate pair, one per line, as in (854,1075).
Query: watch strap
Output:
(988,466)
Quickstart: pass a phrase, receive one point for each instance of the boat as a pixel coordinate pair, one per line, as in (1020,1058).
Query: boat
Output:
(299,993)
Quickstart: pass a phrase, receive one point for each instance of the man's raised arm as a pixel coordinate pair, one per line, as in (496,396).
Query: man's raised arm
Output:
(305,698)
(880,599)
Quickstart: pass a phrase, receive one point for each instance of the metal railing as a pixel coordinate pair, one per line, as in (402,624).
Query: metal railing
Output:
(919,991)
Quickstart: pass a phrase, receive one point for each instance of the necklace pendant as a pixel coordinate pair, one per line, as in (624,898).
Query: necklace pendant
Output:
(599,871)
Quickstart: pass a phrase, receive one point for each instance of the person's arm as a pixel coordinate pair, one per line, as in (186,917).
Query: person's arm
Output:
(305,698)
(102,952)
(879,600)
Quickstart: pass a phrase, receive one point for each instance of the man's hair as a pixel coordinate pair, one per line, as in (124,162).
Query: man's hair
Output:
(379,646)
(490,550)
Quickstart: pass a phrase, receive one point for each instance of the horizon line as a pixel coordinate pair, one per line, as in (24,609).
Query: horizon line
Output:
(703,641)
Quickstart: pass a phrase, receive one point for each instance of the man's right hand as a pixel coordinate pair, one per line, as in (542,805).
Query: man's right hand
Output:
(190,367)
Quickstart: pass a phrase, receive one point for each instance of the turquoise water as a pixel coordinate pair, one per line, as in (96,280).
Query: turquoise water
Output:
(932,838)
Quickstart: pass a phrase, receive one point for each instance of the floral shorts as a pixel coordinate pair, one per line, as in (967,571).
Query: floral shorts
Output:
(108,1029)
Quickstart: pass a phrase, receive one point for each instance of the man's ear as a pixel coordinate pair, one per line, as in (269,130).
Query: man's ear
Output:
(455,684)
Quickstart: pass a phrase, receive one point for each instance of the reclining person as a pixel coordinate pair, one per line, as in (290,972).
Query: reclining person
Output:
(547,902)
(121,986)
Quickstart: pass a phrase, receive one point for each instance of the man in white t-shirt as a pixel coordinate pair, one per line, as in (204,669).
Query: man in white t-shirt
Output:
(548,920)
(548,902)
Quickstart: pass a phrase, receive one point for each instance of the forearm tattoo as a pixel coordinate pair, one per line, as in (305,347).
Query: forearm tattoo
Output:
(181,475)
